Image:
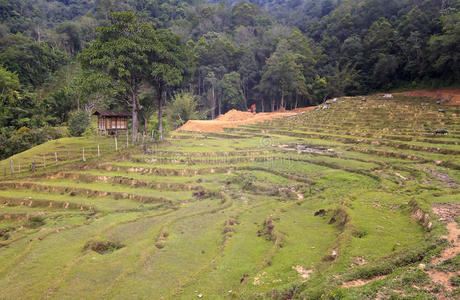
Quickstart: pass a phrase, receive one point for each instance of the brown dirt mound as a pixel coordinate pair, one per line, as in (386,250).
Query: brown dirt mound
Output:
(448,97)
(235,115)
(235,118)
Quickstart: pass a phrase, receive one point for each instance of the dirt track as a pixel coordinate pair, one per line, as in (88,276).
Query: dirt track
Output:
(235,118)
(448,97)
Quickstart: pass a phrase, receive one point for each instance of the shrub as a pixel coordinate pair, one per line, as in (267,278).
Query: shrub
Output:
(25,138)
(35,222)
(153,127)
(102,247)
(455,280)
(182,108)
(78,123)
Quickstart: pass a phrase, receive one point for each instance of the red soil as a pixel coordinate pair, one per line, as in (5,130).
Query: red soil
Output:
(235,118)
(449,97)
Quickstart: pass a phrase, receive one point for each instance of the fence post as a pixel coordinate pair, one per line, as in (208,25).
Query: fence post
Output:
(12,166)
(116,143)
(127,139)
(33,164)
(98,151)
(55,158)
(84,158)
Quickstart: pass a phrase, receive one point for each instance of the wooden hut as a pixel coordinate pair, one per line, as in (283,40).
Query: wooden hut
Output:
(111,121)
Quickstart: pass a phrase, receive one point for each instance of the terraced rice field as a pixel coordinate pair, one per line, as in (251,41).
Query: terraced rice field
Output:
(348,202)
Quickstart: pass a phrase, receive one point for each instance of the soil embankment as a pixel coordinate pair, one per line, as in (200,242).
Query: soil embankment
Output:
(235,118)
(447,97)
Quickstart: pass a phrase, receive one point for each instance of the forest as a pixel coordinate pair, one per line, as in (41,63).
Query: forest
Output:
(62,60)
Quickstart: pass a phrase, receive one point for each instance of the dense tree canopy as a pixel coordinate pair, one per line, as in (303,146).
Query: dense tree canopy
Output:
(228,54)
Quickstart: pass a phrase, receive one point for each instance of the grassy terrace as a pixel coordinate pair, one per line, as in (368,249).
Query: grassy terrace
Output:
(323,204)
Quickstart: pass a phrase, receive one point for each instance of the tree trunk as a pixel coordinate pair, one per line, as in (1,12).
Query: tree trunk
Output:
(273,104)
(213,104)
(134,115)
(296,100)
(39,35)
(160,112)
(144,132)
(282,100)
(262,105)
(220,105)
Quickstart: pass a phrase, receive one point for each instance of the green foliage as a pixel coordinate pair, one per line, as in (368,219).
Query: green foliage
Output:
(445,47)
(152,128)
(289,54)
(232,93)
(102,247)
(182,108)
(9,86)
(78,122)
(455,280)
(35,222)
(283,74)
(24,138)
(131,52)
(32,62)
(343,80)
(60,103)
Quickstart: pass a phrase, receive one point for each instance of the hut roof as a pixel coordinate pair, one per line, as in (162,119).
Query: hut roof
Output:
(109,113)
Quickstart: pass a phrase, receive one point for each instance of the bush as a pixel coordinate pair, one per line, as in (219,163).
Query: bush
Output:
(455,280)
(102,247)
(182,108)
(25,138)
(153,127)
(78,123)
(35,222)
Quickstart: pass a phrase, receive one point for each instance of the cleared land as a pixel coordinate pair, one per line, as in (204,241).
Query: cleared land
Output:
(447,97)
(235,118)
(349,202)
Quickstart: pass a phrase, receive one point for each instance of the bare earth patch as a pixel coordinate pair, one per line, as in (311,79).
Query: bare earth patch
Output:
(361,282)
(452,237)
(444,178)
(447,212)
(447,97)
(235,118)
(304,273)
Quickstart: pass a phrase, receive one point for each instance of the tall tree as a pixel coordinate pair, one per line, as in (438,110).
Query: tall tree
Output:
(283,71)
(171,62)
(122,50)
(232,91)
(132,51)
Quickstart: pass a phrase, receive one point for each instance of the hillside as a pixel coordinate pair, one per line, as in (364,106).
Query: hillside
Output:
(228,54)
(348,201)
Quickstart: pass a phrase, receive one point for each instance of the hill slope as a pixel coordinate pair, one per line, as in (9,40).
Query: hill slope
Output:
(336,201)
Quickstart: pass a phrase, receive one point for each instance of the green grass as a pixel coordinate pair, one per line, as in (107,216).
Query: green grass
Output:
(231,216)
